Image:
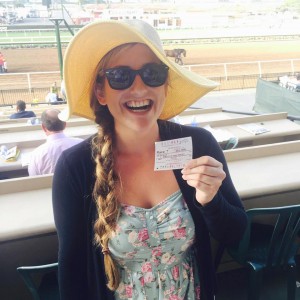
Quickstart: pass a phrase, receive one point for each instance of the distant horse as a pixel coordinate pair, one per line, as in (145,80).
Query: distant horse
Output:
(177,54)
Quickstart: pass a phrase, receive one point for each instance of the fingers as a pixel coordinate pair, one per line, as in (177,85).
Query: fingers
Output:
(206,175)
(203,160)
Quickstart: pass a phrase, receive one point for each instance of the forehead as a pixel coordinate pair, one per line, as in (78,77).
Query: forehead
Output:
(133,56)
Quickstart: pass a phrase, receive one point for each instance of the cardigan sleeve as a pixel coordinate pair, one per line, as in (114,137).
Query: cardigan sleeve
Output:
(225,216)
(68,216)
(81,267)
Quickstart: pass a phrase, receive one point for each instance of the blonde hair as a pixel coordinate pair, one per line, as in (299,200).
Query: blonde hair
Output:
(107,185)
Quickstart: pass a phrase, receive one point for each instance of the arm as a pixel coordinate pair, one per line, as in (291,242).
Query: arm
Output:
(215,194)
(69,220)
(32,168)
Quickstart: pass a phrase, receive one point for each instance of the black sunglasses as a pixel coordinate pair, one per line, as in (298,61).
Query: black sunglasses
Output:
(152,74)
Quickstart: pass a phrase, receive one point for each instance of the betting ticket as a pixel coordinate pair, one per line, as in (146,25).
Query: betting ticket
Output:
(173,154)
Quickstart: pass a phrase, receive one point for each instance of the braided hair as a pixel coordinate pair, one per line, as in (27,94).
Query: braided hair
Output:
(107,185)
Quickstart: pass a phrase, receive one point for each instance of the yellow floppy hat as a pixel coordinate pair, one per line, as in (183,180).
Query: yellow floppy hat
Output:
(93,41)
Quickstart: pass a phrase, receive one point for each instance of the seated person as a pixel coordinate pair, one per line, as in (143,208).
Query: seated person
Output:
(21,111)
(51,97)
(43,158)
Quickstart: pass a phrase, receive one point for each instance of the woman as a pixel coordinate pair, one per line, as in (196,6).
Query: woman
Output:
(126,231)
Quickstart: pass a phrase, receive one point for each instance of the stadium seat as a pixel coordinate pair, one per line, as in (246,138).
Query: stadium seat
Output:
(271,240)
(41,281)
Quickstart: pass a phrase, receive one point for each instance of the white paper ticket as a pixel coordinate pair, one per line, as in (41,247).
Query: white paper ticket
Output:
(173,154)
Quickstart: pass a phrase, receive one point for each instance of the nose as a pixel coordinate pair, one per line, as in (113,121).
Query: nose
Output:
(138,84)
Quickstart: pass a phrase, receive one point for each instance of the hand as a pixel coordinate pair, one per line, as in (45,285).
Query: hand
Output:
(205,174)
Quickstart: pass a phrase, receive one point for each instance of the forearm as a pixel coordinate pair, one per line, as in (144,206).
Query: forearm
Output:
(226,220)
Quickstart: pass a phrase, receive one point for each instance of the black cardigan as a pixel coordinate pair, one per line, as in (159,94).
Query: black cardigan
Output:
(81,269)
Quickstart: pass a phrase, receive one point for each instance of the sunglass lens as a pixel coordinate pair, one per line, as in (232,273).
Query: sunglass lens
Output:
(154,74)
(119,78)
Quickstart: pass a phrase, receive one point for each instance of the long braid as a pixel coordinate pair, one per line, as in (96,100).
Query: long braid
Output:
(106,197)
(107,184)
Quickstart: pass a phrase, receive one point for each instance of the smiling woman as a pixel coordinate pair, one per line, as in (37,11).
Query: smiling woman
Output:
(136,232)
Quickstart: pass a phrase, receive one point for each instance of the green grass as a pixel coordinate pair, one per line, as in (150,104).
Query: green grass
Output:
(21,34)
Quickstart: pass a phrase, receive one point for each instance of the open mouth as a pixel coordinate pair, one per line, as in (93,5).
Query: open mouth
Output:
(139,105)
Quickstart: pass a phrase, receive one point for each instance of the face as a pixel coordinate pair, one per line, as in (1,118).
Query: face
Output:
(139,106)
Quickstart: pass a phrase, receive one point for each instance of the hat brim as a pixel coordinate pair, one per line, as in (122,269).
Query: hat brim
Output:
(93,41)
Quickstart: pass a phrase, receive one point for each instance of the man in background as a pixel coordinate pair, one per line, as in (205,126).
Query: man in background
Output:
(1,63)
(22,112)
(4,66)
(44,158)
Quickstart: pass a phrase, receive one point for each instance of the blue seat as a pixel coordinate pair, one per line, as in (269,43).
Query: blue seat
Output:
(41,281)
(271,240)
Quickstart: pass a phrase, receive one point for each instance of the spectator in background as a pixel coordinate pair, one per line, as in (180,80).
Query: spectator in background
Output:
(1,63)
(51,97)
(21,111)
(44,158)
(4,68)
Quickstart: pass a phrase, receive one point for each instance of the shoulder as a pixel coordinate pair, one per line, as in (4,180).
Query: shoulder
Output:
(78,156)
(39,149)
(171,130)
(75,168)
(82,148)
(70,141)
(75,139)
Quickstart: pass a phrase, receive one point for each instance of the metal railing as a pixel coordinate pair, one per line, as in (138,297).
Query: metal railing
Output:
(247,68)
(33,95)
(38,94)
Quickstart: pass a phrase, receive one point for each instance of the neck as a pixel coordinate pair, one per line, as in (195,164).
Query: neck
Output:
(137,142)
(51,132)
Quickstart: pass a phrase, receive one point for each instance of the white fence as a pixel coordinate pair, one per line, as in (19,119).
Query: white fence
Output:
(258,68)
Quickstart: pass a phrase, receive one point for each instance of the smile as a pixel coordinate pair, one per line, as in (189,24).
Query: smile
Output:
(139,105)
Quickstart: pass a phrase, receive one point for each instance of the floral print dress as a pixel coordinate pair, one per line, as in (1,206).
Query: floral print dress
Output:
(154,251)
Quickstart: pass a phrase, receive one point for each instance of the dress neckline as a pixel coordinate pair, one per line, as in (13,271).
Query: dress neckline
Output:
(168,198)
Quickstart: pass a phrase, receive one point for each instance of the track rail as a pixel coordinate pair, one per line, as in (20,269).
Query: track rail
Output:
(50,41)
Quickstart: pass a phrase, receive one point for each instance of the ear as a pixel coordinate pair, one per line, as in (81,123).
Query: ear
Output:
(99,92)
(44,128)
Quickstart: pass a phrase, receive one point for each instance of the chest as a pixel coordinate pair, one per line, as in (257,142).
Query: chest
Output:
(141,185)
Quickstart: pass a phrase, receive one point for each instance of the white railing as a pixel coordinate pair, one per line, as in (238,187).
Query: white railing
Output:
(247,67)
(28,80)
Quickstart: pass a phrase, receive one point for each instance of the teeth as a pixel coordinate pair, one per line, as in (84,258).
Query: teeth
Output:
(142,105)
(137,104)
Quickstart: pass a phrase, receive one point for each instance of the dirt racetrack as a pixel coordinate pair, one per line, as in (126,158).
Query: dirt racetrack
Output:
(46,59)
